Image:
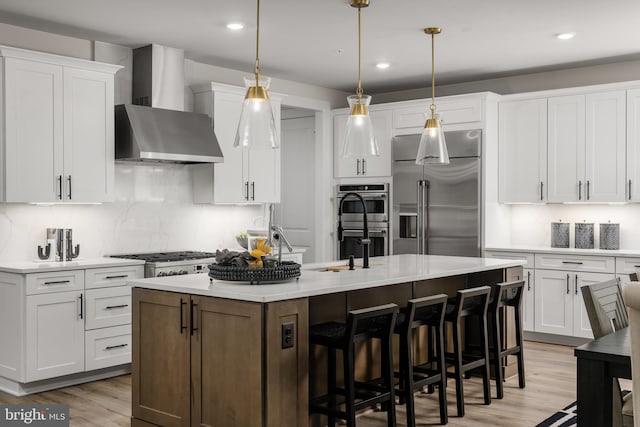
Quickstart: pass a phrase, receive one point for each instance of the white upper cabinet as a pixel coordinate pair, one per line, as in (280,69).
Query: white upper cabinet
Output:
(245,176)
(586,148)
(452,110)
(58,133)
(522,151)
(633,145)
(350,167)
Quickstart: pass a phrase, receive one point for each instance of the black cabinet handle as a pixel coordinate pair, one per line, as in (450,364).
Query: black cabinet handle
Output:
(182,327)
(69,179)
(573,262)
(81,306)
(357,166)
(111,347)
(253,190)
(568,290)
(629,189)
(117,277)
(528,280)
(246,189)
(111,307)
(541,191)
(588,185)
(193,328)
(59,187)
(579,190)
(57,282)
(576,284)
(364,164)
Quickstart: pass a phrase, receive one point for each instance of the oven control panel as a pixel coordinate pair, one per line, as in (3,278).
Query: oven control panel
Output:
(179,270)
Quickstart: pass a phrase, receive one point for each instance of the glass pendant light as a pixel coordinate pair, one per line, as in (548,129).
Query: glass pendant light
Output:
(359,140)
(257,126)
(433,147)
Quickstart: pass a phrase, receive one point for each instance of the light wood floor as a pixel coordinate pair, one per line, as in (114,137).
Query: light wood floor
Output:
(550,385)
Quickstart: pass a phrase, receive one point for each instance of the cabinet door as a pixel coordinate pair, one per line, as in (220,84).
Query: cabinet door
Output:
(228,177)
(160,327)
(633,145)
(88,136)
(522,151)
(566,139)
(605,146)
(553,306)
(263,169)
(366,166)
(33,129)
(226,363)
(528,313)
(581,324)
(55,335)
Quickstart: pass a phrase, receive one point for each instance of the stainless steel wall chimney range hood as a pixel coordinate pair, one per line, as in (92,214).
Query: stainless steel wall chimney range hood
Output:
(155,128)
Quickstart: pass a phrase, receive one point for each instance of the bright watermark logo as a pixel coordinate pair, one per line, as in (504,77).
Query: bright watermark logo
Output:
(34,415)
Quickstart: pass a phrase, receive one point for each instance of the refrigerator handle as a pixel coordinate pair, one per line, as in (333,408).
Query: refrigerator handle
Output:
(423,216)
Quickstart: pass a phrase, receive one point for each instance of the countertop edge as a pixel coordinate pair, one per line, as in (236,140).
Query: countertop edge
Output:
(567,251)
(27,267)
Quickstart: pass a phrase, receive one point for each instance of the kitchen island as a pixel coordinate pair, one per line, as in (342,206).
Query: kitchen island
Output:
(220,353)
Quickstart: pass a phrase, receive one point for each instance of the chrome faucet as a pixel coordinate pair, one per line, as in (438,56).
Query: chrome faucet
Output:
(365,238)
(277,233)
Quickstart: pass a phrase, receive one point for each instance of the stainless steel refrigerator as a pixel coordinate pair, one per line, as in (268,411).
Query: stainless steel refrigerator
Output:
(436,208)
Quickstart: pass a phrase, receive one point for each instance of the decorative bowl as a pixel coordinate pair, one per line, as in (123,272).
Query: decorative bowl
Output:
(243,241)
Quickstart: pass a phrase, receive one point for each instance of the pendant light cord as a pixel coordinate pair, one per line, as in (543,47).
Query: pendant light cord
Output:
(257,68)
(359,90)
(433,76)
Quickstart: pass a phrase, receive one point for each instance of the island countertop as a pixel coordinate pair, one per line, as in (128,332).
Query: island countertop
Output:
(315,281)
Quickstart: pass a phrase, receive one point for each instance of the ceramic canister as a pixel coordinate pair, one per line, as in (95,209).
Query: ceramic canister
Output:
(584,235)
(610,236)
(559,234)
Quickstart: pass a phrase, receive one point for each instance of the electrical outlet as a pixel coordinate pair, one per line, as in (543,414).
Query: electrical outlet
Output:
(287,335)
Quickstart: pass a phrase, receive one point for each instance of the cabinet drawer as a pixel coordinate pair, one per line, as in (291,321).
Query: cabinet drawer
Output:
(512,255)
(463,111)
(54,281)
(107,347)
(597,264)
(108,307)
(627,265)
(112,276)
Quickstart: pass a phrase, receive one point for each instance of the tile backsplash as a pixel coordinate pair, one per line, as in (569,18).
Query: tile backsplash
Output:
(531,224)
(153,211)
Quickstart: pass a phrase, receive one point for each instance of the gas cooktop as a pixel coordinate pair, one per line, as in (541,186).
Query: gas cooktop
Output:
(168,256)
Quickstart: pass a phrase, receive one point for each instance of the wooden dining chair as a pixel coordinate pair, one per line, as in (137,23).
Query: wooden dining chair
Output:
(631,295)
(607,313)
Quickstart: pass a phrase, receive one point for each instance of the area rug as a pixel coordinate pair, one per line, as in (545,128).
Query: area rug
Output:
(566,417)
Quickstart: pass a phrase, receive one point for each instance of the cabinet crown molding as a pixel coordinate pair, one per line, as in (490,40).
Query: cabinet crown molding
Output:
(50,58)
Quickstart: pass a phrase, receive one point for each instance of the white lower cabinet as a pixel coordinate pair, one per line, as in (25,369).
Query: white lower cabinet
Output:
(54,335)
(108,347)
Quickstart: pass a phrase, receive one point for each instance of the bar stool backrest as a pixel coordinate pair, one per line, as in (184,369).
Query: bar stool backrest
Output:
(472,301)
(507,294)
(366,323)
(425,311)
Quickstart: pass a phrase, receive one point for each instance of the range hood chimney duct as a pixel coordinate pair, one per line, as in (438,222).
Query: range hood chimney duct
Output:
(155,128)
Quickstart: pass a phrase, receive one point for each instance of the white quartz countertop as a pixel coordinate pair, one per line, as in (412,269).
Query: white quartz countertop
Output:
(384,271)
(23,267)
(568,251)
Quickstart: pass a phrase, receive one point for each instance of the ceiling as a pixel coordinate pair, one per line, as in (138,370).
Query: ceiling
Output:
(315,41)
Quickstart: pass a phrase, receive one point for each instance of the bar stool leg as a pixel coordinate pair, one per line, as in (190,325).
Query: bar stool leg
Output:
(442,389)
(486,385)
(331,375)
(387,365)
(407,381)
(457,348)
(349,378)
(497,347)
(519,343)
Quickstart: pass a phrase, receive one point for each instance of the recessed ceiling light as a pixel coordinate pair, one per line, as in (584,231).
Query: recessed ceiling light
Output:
(383,65)
(235,26)
(565,36)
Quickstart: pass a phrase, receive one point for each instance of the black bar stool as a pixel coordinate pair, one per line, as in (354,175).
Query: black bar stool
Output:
(469,302)
(506,295)
(429,312)
(365,324)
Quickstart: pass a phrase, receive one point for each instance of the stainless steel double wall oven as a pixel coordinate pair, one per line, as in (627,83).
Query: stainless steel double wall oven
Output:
(376,200)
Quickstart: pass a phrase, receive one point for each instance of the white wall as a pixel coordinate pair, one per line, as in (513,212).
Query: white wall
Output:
(153,211)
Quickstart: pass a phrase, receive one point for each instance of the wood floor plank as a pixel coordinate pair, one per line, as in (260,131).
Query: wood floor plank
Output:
(550,378)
